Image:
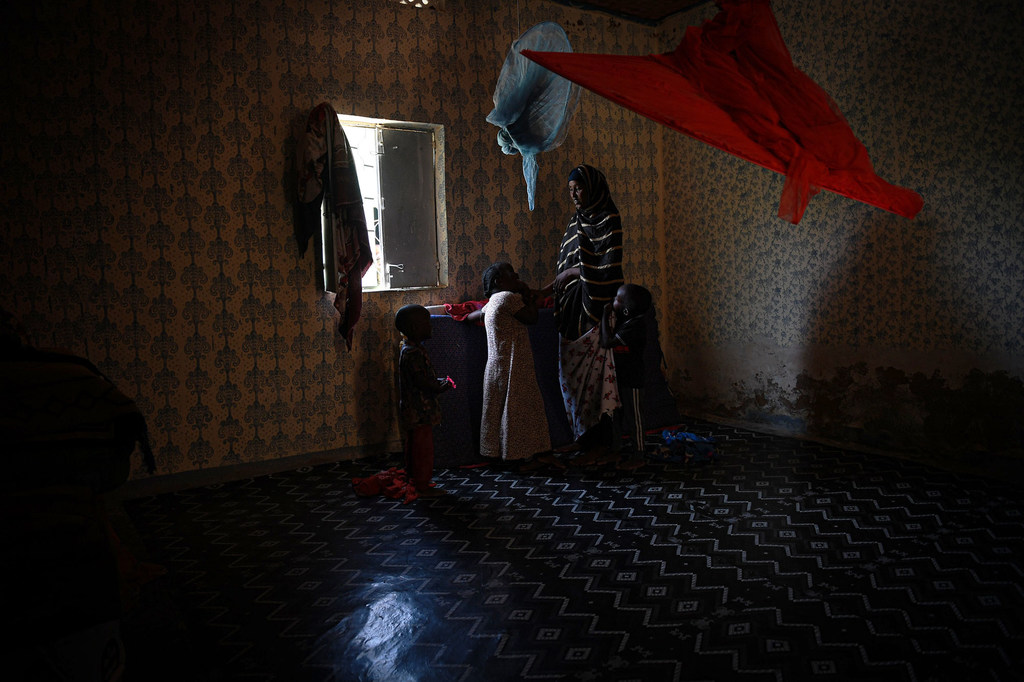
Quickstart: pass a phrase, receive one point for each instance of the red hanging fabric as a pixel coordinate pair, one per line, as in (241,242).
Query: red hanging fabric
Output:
(732,84)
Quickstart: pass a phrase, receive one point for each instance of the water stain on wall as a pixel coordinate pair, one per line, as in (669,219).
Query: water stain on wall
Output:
(887,408)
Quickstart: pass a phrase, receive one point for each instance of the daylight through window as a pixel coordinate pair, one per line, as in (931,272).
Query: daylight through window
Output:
(400,166)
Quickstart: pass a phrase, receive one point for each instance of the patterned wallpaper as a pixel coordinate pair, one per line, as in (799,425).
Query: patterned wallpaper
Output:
(148,190)
(858,324)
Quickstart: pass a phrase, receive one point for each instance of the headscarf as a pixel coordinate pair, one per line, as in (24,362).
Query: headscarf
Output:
(593,243)
(596,191)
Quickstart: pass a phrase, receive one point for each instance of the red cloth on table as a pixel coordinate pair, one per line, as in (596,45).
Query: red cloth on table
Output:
(459,311)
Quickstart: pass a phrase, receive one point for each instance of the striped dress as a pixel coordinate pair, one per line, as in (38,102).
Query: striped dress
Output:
(593,243)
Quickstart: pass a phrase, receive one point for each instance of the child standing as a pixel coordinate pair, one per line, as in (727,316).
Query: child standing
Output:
(514,425)
(418,391)
(624,329)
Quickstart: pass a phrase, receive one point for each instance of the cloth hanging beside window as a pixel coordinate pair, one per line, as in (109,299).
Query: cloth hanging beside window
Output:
(328,184)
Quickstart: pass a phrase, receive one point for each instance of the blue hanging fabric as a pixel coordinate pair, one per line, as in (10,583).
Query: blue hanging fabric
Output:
(532,105)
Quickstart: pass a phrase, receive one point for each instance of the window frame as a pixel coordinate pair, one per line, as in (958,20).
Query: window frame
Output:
(325,245)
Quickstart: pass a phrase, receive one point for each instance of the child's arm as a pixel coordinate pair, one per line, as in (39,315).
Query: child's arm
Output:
(528,313)
(423,377)
(432,384)
(607,339)
(474,316)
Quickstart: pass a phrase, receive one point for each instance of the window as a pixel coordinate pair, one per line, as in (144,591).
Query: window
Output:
(400,166)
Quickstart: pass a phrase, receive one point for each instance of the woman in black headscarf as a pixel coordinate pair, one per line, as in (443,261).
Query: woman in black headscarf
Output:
(588,274)
(589,267)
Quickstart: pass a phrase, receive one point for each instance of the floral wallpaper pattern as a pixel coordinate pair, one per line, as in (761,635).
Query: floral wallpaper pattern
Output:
(148,193)
(836,325)
(149,187)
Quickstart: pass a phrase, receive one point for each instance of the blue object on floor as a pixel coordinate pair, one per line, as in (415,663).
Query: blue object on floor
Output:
(688,447)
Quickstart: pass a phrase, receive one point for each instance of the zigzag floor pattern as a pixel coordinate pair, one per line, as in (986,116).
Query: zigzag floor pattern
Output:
(780,560)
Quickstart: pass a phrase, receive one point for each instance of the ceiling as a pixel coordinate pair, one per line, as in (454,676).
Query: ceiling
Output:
(651,12)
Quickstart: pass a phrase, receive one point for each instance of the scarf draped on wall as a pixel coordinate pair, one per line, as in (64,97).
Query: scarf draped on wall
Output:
(593,243)
(731,83)
(326,166)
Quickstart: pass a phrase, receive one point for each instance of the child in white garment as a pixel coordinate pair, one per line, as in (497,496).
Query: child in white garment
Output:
(514,426)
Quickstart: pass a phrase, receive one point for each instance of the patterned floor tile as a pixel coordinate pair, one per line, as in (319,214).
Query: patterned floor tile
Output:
(777,559)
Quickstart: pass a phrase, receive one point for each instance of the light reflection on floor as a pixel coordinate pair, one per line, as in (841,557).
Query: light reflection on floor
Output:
(376,642)
(741,567)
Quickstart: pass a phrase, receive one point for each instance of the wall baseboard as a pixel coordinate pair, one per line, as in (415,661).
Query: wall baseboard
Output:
(158,485)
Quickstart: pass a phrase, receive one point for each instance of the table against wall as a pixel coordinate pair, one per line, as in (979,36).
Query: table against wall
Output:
(459,349)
